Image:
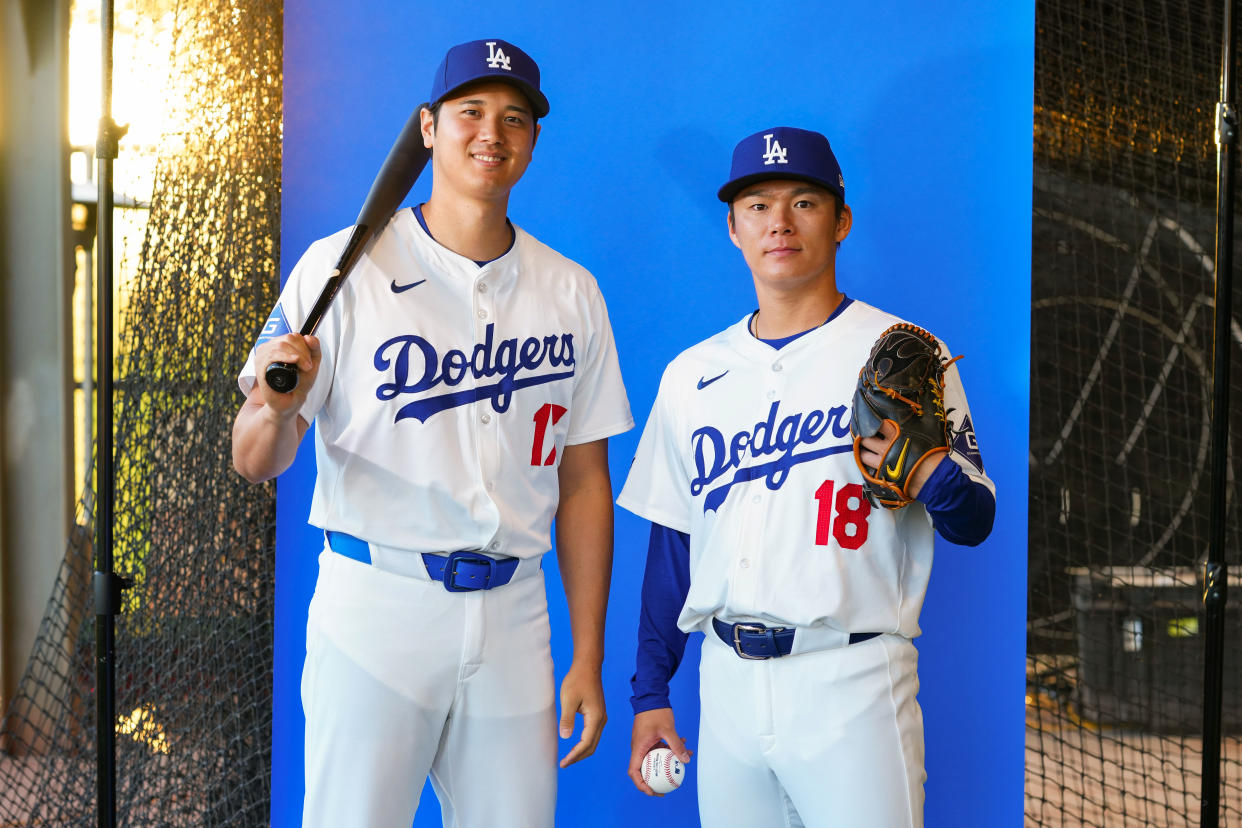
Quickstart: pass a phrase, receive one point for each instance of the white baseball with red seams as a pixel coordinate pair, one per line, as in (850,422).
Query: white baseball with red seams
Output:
(662,771)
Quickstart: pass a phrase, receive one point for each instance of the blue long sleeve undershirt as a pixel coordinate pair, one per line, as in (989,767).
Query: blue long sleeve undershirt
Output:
(666,582)
(961,509)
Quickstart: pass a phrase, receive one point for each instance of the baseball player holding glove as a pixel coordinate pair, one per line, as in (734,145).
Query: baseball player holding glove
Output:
(463,383)
(793,468)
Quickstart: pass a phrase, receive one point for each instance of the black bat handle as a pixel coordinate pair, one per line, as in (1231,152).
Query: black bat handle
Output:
(402,166)
(281,377)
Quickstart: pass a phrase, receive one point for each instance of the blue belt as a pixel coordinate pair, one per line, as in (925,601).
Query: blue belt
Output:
(462,571)
(755,641)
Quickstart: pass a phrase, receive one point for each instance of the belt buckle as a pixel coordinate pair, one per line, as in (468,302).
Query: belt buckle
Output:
(468,556)
(737,641)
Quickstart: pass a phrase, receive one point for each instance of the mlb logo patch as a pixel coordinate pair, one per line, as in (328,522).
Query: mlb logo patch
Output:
(274,326)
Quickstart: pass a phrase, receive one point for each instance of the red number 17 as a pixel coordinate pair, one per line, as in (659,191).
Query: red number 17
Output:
(850,526)
(548,414)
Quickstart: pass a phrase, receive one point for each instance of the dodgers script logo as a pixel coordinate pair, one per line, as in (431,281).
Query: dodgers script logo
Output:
(496,58)
(776,153)
(714,456)
(417,367)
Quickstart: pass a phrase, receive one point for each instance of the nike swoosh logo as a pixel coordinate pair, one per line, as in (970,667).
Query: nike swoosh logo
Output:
(396,288)
(703,383)
(895,472)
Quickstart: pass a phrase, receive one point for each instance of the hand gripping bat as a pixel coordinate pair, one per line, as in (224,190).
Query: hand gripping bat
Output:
(400,170)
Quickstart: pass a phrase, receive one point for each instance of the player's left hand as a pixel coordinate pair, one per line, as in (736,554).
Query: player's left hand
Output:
(874,449)
(654,728)
(582,691)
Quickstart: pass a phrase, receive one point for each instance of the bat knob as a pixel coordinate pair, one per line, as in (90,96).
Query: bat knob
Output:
(281,377)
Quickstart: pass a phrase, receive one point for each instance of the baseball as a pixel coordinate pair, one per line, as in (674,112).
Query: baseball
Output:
(662,770)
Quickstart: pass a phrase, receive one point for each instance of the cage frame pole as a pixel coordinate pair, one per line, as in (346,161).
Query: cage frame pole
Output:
(1215,573)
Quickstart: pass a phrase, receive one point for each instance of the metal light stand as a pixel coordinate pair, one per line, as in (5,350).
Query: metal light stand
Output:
(1215,576)
(108,586)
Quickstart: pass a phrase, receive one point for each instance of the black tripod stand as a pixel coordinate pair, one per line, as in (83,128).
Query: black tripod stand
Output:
(108,586)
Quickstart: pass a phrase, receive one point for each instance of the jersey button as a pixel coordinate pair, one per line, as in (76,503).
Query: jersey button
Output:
(756,498)
(490,485)
(486,418)
(482,314)
(776,366)
(744,563)
(771,395)
(482,287)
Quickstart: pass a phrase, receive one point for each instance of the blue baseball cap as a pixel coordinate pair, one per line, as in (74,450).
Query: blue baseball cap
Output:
(783,152)
(494,59)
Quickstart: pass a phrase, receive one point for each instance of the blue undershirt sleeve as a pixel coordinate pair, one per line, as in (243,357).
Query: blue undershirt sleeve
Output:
(666,582)
(961,509)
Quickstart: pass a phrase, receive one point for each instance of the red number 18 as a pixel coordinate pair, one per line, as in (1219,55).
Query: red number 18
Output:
(850,526)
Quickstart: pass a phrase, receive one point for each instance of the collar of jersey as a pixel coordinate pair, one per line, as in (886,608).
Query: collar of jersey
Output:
(790,343)
(513,239)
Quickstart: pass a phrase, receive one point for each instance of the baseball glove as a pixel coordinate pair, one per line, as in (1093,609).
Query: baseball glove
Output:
(902,382)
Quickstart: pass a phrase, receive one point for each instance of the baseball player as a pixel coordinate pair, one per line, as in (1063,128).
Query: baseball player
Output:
(763,537)
(463,384)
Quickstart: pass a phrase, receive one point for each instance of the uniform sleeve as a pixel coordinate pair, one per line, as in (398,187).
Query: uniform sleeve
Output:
(600,407)
(297,297)
(661,644)
(658,485)
(959,496)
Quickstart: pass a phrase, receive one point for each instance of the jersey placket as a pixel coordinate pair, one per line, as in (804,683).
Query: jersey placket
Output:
(756,504)
(486,419)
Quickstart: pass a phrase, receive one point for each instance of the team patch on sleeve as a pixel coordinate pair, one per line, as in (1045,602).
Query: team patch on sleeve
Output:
(965,444)
(274,326)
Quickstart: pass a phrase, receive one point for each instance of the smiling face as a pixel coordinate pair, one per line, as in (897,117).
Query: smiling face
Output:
(483,138)
(788,233)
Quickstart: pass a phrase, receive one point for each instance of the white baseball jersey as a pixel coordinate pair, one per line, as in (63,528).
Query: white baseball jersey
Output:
(448,391)
(748,450)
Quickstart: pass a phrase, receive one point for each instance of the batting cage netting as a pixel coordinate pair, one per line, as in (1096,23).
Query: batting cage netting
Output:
(1121,356)
(194,638)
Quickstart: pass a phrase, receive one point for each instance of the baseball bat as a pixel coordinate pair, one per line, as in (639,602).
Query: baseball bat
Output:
(400,170)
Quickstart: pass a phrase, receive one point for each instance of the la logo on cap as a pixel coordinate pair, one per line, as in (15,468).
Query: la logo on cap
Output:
(776,153)
(496,58)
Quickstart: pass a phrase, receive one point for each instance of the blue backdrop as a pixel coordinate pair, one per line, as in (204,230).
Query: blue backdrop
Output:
(928,107)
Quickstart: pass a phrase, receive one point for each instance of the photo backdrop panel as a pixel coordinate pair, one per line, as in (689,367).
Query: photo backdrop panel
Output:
(929,112)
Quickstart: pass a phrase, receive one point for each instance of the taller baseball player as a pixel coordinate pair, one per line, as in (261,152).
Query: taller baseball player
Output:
(463,384)
(765,539)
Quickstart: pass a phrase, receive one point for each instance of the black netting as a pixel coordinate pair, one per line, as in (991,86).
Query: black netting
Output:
(194,641)
(1121,327)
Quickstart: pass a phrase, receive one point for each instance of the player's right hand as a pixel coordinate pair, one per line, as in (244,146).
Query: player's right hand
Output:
(651,729)
(293,349)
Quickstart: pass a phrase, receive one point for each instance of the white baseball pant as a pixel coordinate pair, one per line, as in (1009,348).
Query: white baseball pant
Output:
(826,739)
(404,679)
